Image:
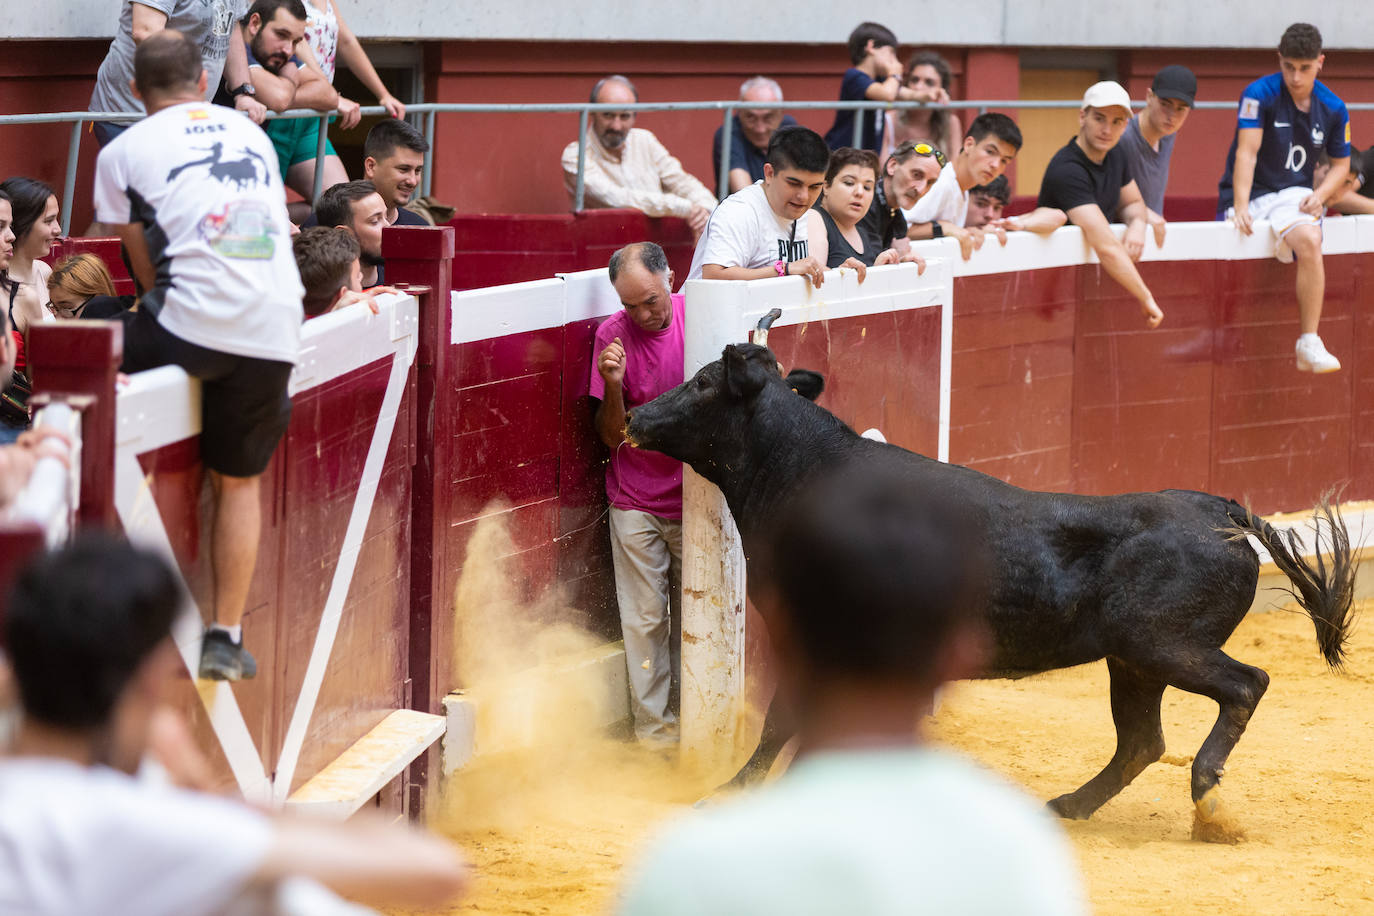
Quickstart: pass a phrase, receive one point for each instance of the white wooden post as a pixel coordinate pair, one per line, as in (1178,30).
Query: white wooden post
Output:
(712,560)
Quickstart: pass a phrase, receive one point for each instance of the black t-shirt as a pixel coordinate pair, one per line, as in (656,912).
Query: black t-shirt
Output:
(1073,180)
(882,224)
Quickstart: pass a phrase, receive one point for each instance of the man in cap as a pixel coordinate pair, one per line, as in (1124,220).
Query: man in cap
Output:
(1090,181)
(1149,138)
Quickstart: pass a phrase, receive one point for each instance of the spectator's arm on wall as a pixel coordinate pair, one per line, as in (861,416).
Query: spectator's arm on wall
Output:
(1043,220)
(275,90)
(1243,173)
(1097,232)
(312,89)
(1353,203)
(1133,212)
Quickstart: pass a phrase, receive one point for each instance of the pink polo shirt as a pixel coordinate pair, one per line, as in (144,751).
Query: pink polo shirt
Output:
(637,478)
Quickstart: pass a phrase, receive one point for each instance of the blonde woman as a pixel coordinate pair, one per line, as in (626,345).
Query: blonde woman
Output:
(81,287)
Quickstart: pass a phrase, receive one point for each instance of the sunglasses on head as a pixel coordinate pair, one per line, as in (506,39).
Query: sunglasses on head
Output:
(923,149)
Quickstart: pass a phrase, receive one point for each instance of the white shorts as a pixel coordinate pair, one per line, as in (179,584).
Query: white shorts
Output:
(1281,209)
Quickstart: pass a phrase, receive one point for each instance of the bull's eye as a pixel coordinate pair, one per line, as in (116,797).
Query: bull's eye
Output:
(702,383)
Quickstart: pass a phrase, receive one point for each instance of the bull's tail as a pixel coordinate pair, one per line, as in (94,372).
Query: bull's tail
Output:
(1326,592)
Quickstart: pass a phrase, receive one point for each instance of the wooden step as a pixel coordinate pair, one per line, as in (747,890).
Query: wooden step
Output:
(371,762)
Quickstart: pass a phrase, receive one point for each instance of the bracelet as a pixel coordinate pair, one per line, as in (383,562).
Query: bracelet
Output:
(781,267)
(936,230)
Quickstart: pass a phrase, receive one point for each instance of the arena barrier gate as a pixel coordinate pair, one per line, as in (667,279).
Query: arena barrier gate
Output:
(1026,362)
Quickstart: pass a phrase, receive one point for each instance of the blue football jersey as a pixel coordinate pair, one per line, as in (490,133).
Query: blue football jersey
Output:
(1292,139)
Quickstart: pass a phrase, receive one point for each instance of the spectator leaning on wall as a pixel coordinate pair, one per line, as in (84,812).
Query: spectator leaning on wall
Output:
(1089,181)
(626,166)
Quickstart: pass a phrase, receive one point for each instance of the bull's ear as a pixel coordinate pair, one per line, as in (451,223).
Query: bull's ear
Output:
(806,383)
(744,377)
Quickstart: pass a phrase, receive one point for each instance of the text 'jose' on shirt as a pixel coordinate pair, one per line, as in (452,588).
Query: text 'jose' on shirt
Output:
(204,182)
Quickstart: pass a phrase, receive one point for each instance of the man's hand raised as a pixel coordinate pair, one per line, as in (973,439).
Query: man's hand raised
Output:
(611,363)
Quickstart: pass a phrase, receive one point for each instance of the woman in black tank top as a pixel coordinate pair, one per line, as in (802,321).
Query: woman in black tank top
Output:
(849,184)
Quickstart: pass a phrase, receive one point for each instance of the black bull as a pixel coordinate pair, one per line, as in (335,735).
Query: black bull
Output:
(1152,582)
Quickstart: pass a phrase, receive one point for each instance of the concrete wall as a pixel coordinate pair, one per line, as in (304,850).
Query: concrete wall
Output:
(1029,23)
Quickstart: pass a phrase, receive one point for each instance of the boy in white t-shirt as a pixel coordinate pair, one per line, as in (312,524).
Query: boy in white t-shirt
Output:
(992,142)
(194,193)
(762,230)
(868,818)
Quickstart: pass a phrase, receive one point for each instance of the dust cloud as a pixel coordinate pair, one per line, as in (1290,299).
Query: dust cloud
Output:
(551,778)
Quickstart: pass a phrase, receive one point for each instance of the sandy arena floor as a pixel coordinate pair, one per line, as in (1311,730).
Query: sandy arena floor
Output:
(550,835)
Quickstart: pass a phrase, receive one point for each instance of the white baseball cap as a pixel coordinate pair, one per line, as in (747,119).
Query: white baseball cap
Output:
(1106,94)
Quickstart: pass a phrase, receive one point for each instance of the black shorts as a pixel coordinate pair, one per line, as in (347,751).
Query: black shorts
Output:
(244,405)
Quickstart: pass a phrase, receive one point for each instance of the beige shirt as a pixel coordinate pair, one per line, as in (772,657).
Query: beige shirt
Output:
(646,177)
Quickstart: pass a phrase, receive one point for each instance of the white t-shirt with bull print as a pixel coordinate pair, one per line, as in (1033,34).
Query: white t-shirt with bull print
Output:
(204,182)
(745,232)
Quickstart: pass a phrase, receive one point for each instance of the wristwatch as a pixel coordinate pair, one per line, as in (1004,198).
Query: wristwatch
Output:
(781,267)
(936,230)
(245,89)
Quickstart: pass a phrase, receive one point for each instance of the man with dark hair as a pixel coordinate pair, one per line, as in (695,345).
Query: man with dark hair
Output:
(194,193)
(992,142)
(908,174)
(1286,120)
(627,166)
(874,599)
(876,77)
(762,231)
(394,161)
(986,202)
(88,635)
(638,356)
(357,207)
(1089,182)
(281,80)
(751,133)
(327,258)
(1149,138)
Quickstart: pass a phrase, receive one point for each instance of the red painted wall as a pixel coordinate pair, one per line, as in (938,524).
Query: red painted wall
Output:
(1057,386)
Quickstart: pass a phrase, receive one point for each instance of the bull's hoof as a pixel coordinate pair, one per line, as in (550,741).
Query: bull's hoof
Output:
(1212,823)
(1067,807)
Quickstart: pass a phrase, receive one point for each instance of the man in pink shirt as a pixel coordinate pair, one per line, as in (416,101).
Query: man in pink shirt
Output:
(638,357)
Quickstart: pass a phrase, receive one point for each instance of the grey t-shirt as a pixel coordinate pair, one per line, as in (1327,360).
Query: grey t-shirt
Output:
(1150,169)
(206,22)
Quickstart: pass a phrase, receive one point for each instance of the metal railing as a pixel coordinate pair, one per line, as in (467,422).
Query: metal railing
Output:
(430,110)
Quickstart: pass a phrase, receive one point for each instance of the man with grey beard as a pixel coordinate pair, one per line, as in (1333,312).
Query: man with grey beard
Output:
(627,167)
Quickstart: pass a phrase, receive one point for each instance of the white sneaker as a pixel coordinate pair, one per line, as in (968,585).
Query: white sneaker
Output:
(1312,355)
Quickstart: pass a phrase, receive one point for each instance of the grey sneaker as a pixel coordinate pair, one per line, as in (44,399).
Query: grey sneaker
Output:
(222,659)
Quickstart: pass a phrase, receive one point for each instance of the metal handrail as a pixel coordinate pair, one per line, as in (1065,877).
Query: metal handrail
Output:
(583,109)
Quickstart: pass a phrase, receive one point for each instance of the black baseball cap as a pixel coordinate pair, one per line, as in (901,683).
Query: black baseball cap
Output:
(1175,82)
